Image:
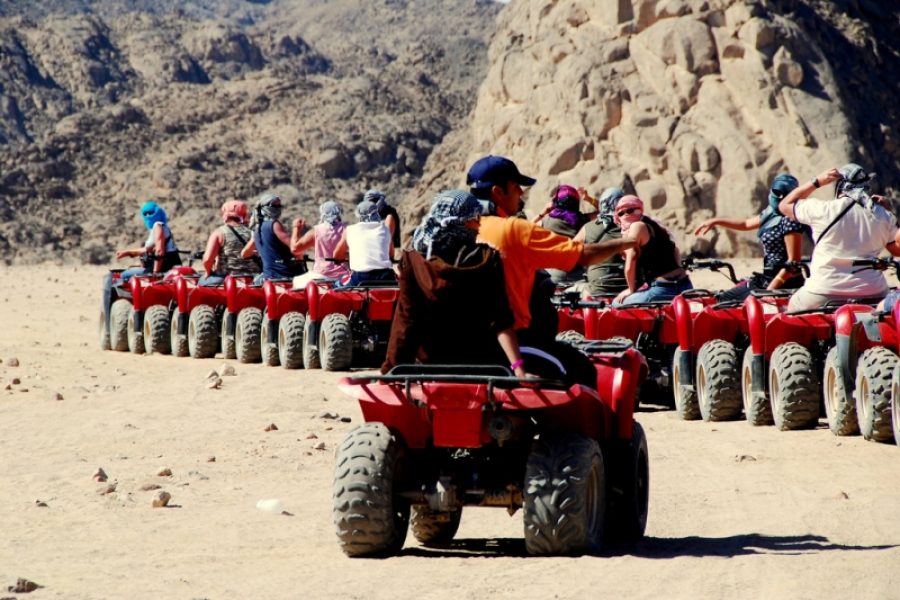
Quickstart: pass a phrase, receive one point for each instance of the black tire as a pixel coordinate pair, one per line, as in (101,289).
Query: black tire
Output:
(718,381)
(203,332)
(895,404)
(873,393)
(228,351)
(269,352)
(156,330)
(291,340)
(119,314)
(178,343)
(370,516)
(757,409)
(840,407)
(432,527)
(246,335)
(103,332)
(564,496)
(793,387)
(335,343)
(310,348)
(686,406)
(628,492)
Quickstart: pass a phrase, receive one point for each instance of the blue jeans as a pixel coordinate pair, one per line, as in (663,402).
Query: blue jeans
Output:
(211,281)
(659,290)
(357,277)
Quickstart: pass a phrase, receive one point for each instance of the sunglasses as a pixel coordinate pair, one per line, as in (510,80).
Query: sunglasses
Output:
(148,213)
(627,211)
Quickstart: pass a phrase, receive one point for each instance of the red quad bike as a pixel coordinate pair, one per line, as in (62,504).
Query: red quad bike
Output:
(288,327)
(861,381)
(783,365)
(651,327)
(243,319)
(198,318)
(351,324)
(437,439)
(131,303)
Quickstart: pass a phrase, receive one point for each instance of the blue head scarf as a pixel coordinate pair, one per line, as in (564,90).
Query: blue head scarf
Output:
(782,185)
(152,214)
(606,204)
(367,212)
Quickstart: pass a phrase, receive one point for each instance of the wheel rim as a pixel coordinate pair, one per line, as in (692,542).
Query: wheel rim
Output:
(774,388)
(746,387)
(676,385)
(592,503)
(830,389)
(864,400)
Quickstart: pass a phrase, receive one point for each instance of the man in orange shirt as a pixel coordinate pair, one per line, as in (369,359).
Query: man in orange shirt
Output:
(525,248)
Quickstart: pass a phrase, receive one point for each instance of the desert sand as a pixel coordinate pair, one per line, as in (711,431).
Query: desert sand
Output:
(735,511)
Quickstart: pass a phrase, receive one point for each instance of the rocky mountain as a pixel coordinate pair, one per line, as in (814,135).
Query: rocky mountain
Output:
(694,105)
(106,103)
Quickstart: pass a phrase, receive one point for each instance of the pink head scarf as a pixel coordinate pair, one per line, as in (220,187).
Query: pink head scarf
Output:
(626,220)
(235,209)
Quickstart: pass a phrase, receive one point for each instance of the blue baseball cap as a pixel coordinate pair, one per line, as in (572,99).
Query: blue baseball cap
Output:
(495,170)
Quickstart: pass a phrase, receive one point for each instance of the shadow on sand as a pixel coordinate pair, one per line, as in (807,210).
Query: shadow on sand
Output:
(658,548)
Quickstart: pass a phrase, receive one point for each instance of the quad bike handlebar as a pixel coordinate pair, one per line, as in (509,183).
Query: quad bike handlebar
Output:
(713,264)
(877,264)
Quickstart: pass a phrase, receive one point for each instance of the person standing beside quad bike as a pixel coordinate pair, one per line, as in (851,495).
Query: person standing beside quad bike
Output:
(525,248)
(853,226)
(158,254)
(781,239)
(273,243)
(222,256)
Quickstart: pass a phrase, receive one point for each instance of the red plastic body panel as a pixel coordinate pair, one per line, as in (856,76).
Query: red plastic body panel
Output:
(240,294)
(281,299)
(150,290)
(846,324)
(602,324)
(571,319)
(379,303)
(685,310)
(722,324)
(804,329)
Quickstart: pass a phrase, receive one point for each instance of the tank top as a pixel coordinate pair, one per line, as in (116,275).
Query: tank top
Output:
(167,233)
(229,261)
(657,257)
(608,277)
(562,227)
(327,238)
(277,260)
(369,244)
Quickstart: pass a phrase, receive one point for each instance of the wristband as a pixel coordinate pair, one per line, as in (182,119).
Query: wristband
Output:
(517,364)
(815,182)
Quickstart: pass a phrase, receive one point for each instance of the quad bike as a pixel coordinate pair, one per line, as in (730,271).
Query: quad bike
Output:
(712,337)
(287,326)
(438,438)
(350,324)
(127,328)
(197,321)
(243,324)
(783,364)
(861,380)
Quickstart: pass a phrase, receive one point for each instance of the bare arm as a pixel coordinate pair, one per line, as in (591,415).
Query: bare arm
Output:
(786,207)
(281,233)
(212,251)
(250,249)
(736,224)
(129,252)
(342,250)
(301,241)
(510,344)
(159,246)
(894,246)
(596,253)
(544,212)
(582,233)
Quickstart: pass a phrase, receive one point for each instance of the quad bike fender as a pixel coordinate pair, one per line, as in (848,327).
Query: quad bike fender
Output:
(313,294)
(756,325)
(847,357)
(683,321)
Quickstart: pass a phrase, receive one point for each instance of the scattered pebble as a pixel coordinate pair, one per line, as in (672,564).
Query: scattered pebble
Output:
(744,457)
(149,487)
(346,419)
(227,370)
(319,446)
(23,390)
(198,475)
(107,489)
(165,472)
(15,381)
(271,427)
(23,586)
(161,499)
(8,386)
(211,459)
(329,428)
(214,384)
(842,496)
(328,415)
(311,436)
(271,505)
(12,362)
(56,396)
(99,475)
(212,375)
(40,504)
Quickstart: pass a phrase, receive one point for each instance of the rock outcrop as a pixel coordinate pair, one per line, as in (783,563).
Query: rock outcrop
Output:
(694,106)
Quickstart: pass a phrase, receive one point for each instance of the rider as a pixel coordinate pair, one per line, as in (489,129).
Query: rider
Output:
(449,284)
(853,226)
(223,248)
(606,278)
(158,254)
(655,260)
(325,237)
(563,216)
(387,213)
(272,241)
(526,247)
(781,239)
(368,245)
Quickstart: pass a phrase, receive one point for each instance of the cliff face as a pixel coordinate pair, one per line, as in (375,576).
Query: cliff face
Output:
(694,106)
(106,103)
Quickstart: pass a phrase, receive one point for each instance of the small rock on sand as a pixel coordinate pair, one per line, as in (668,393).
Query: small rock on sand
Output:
(311,436)
(149,487)
(15,381)
(227,370)
(319,446)
(271,427)
(211,459)
(161,499)
(12,362)
(23,586)
(56,396)
(214,383)
(164,472)
(328,415)
(99,475)
(109,488)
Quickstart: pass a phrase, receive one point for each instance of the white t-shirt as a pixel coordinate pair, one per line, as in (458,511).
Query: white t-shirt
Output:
(369,246)
(860,233)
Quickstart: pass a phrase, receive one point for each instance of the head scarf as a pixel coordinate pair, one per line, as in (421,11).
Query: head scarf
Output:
(378,197)
(607,201)
(367,212)
(782,185)
(267,208)
(444,225)
(627,220)
(566,204)
(330,212)
(235,209)
(153,213)
(854,183)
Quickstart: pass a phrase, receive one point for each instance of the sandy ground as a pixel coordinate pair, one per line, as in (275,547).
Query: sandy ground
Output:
(736,511)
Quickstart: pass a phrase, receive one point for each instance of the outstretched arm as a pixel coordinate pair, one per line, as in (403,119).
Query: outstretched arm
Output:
(786,207)
(597,253)
(736,224)
(212,252)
